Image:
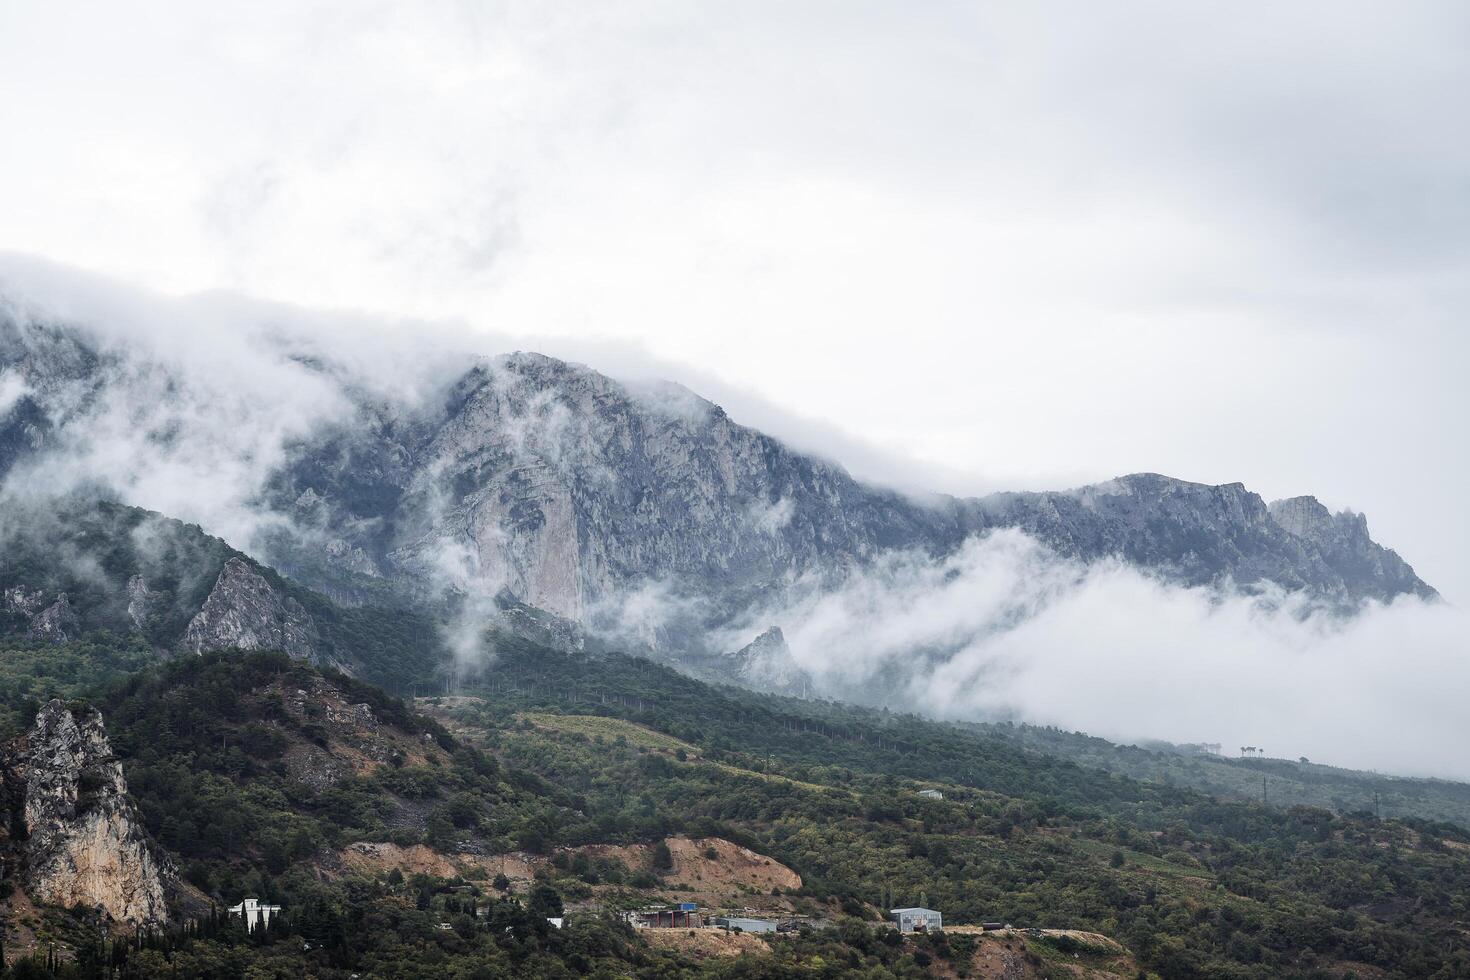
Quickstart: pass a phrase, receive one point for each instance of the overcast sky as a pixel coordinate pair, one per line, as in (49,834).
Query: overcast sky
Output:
(1020,245)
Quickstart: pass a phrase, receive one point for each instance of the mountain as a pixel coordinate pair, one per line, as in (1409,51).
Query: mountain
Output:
(77,567)
(572,491)
(587,510)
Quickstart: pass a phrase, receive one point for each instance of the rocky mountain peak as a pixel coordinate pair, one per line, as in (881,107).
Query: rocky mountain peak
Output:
(80,841)
(245,612)
(766,664)
(1343,543)
(1306,517)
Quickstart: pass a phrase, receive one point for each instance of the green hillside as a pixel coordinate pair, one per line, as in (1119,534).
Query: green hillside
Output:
(260,777)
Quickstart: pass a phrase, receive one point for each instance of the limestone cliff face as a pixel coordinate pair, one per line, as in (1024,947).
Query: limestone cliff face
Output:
(26,602)
(563,488)
(245,612)
(1342,541)
(73,833)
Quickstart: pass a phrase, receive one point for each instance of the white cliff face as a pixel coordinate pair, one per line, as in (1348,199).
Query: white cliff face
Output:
(83,843)
(26,602)
(244,612)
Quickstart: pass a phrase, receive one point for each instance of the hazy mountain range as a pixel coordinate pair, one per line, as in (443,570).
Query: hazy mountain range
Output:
(552,500)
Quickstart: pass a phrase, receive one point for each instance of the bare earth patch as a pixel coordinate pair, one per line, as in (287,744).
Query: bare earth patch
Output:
(732,868)
(733,871)
(706,943)
(372,858)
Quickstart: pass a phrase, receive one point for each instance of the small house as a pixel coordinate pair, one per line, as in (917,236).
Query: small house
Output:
(931,794)
(917,920)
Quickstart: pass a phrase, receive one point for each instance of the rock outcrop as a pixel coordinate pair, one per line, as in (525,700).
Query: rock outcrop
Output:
(23,601)
(245,612)
(766,664)
(1343,543)
(57,623)
(140,601)
(71,831)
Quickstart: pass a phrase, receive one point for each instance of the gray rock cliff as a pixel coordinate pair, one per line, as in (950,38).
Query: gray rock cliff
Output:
(569,492)
(245,612)
(71,832)
(766,664)
(57,623)
(140,601)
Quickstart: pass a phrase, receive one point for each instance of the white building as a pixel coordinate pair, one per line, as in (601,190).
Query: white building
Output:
(745,925)
(931,794)
(254,913)
(916,920)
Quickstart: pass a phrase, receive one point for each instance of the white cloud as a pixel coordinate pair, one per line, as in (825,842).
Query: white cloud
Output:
(769,518)
(1125,657)
(1006,629)
(12,389)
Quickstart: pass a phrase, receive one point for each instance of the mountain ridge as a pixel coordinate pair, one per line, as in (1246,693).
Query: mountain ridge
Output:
(640,513)
(560,462)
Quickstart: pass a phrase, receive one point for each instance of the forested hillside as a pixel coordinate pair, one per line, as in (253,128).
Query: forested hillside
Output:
(80,569)
(562,782)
